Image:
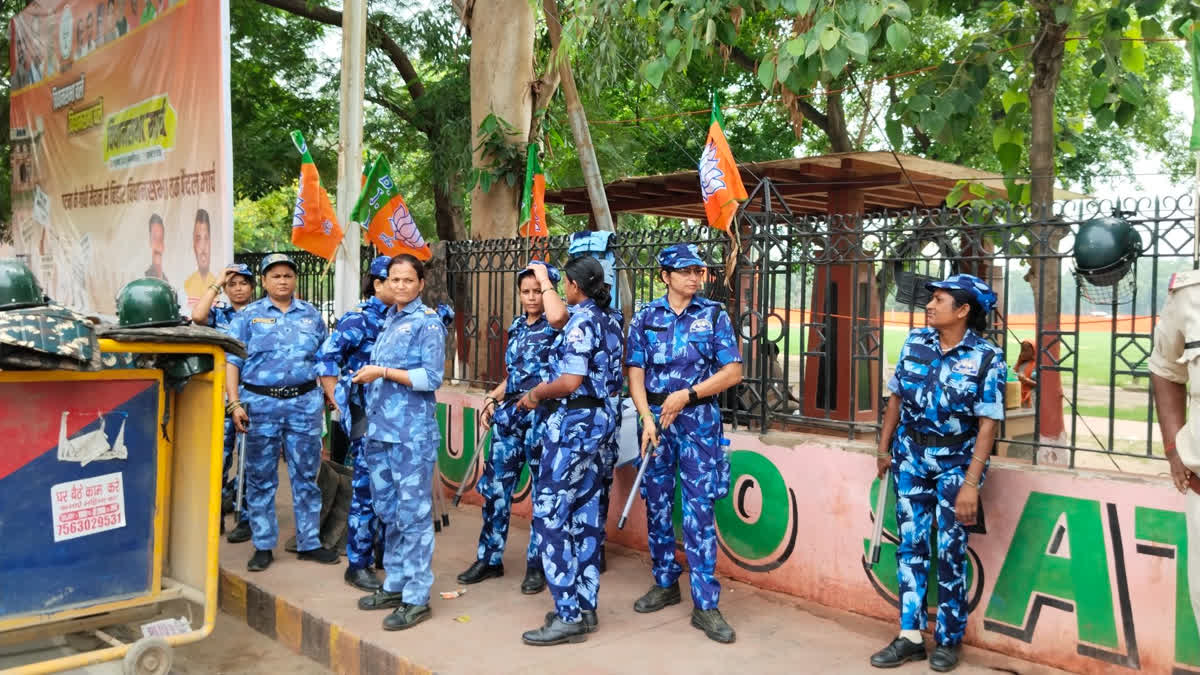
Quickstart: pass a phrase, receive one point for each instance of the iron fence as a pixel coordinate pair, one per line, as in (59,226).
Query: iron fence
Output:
(314,278)
(822,304)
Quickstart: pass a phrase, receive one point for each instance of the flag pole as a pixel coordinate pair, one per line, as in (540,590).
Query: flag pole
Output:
(346,286)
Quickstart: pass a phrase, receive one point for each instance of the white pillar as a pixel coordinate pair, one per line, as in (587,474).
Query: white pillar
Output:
(350,160)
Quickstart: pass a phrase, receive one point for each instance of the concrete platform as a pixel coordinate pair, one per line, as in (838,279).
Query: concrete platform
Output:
(309,608)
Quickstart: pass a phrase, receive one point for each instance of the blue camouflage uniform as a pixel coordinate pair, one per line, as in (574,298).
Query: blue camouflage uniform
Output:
(678,351)
(566,506)
(609,450)
(282,347)
(347,349)
(219,317)
(527,359)
(942,396)
(402,445)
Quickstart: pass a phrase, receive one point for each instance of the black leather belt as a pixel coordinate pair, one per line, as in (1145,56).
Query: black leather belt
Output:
(578,403)
(290,391)
(654,398)
(938,441)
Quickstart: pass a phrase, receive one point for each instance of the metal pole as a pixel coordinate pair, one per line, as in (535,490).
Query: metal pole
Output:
(350,126)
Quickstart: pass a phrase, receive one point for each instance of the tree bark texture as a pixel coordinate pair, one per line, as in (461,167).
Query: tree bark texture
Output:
(1046,269)
(501,84)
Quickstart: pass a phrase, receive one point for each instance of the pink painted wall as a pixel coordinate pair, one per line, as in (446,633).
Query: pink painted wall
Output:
(1104,545)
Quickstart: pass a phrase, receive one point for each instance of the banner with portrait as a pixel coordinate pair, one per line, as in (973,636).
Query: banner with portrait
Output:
(121,146)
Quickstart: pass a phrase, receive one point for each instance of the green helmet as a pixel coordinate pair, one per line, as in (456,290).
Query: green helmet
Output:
(143,303)
(1105,249)
(18,288)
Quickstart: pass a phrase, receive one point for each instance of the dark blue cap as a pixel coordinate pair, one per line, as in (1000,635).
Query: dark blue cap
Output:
(551,271)
(983,294)
(678,256)
(241,268)
(275,259)
(445,313)
(379,267)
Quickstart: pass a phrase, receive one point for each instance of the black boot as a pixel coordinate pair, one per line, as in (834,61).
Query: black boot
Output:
(556,633)
(602,560)
(657,598)
(945,658)
(260,561)
(381,599)
(713,624)
(480,571)
(240,533)
(898,653)
(534,581)
(363,579)
(406,616)
(325,556)
(587,616)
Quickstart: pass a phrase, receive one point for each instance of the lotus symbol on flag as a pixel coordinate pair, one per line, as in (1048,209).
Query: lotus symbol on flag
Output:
(712,178)
(298,214)
(405,229)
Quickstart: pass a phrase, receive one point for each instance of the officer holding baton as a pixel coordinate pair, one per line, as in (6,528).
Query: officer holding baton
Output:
(681,353)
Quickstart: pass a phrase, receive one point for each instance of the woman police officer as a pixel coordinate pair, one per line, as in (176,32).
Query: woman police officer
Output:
(682,353)
(407,365)
(527,359)
(941,419)
(566,506)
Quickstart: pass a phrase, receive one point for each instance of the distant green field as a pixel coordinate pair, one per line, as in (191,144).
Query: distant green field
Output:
(1092,360)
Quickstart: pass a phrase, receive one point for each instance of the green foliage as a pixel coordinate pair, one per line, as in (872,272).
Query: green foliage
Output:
(264,224)
(8,9)
(499,141)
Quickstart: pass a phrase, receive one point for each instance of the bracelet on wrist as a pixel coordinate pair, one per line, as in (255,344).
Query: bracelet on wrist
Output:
(967,481)
(981,460)
(216,287)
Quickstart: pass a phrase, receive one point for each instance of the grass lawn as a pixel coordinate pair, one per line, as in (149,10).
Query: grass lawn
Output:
(1092,360)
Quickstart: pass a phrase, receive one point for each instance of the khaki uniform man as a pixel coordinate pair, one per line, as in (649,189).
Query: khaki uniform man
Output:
(1174,365)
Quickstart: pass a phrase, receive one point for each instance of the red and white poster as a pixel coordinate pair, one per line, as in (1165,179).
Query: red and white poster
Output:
(87,506)
(121,146)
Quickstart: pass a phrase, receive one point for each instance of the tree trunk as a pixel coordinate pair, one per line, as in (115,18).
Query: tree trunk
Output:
(839,135)
(1046,269)
(447,214)
(501,79)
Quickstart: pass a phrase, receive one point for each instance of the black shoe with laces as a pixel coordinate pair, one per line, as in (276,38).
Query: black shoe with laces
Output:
(657,598)
(587,616)
(363,579)
(480,571)
(534,581)
(556,633)
(260,561)
(945,658)
(713,624)
(899,652)
(406,616)
(381,599)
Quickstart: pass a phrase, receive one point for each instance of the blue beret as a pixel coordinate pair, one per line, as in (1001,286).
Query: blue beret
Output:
(983,294)
(242,269)
(678,256)
(551,271)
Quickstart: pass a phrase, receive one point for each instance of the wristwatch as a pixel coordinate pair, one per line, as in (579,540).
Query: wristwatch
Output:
(692,397)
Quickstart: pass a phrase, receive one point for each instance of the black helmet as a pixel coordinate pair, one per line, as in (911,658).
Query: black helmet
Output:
(1105,249)
(18,287)
(143,303)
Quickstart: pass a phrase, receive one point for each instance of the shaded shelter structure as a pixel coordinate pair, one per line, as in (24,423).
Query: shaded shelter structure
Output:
(809,212)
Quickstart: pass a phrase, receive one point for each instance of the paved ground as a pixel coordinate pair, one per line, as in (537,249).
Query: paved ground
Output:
(776,633)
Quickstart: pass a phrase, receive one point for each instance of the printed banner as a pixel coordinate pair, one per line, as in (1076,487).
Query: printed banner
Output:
(121,146)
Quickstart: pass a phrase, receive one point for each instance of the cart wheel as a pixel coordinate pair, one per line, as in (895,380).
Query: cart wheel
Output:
(148,656)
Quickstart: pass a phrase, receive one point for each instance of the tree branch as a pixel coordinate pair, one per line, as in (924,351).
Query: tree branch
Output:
(810,113)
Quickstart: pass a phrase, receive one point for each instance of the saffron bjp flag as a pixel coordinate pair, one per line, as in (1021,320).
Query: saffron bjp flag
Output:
(314,225)
(720,181)
(382,212)
(533,201)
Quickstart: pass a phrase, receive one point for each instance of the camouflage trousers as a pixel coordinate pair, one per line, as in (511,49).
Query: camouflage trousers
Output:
(691,446)
(566,509)
(402,494)
(302,454)
(927,486)
(364,527)
(229,471)
(501,472)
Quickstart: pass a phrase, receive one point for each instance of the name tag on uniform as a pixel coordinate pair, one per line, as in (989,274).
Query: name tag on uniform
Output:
(966,368)
(404,329)
(700,325)
(263,320)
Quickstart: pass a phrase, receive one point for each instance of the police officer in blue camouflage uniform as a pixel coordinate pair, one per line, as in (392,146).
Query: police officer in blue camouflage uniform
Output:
(278,381)
(609,451)
(347,349)
(531,337)
(238,286)
(946,404)
(407,366)
(566,508)
(681,353)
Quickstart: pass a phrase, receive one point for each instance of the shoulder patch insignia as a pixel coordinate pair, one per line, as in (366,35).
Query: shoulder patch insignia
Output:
(575,335)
